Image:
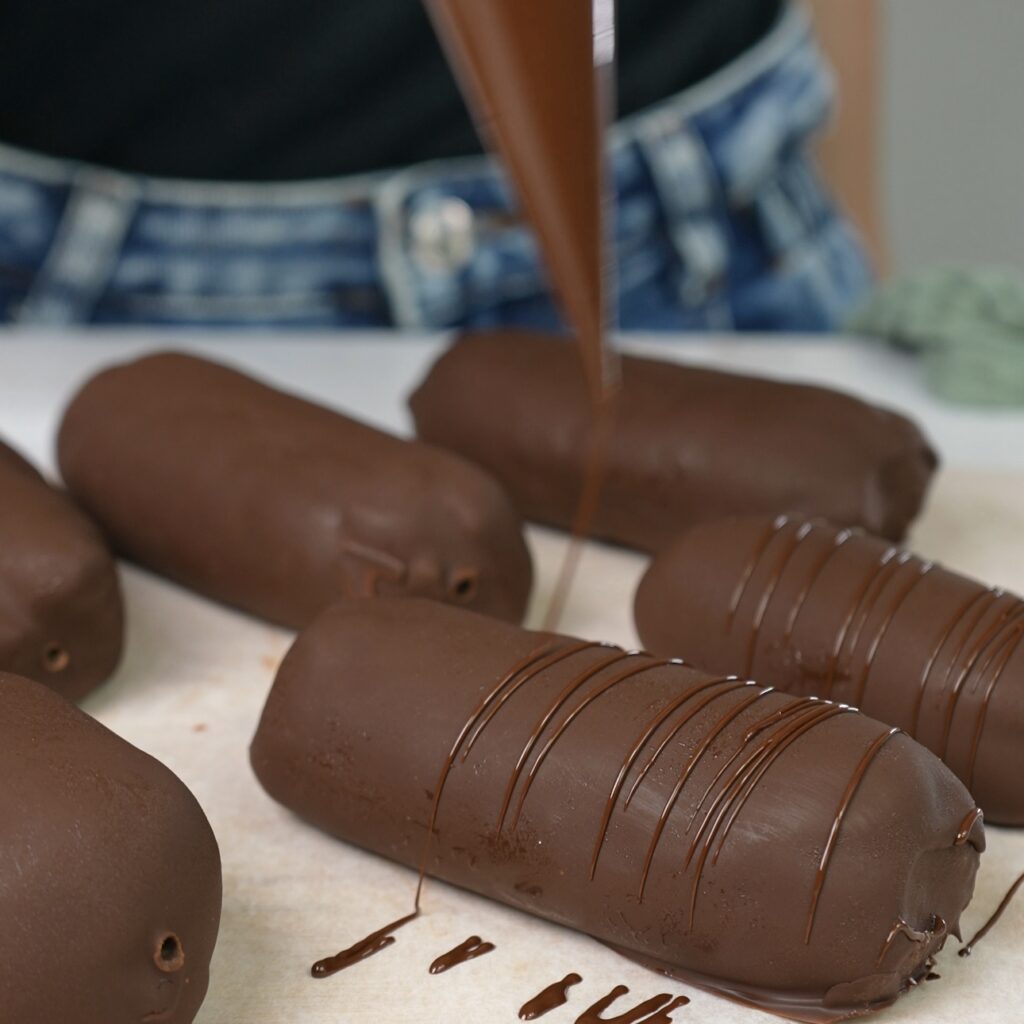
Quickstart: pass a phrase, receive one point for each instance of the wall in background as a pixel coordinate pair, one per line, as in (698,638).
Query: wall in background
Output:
(953,131)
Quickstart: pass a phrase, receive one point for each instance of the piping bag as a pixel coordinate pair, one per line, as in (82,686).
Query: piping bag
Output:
(538,77)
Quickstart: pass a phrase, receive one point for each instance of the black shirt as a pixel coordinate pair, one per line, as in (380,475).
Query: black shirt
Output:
(282,89)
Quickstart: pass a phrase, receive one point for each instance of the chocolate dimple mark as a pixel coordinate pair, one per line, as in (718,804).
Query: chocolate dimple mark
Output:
(55,658)
(463,585)
(169,955)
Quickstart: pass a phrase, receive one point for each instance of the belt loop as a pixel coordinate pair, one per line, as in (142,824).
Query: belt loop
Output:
(84,251)
(689,192)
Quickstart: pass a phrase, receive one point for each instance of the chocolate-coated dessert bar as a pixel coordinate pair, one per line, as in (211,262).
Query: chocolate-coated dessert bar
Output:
(61,615)
(812,609)
(110,882)
(687,444)
(788,852)
(278,506)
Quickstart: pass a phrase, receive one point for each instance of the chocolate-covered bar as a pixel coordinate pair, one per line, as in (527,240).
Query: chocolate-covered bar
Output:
(279,506)
(688,444)
(791,853)
(61,615)
(812,609)
(110,883)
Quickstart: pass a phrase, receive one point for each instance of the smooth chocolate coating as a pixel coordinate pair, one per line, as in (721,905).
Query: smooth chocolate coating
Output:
(792,853)
(61,615)
(815,610)
(688,445)
(110,883)
(278,506)
(538,78)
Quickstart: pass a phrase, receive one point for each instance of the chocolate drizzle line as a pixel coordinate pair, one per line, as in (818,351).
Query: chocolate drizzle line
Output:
(900,927)
(873,577)
(595,467)
(798,605)
(568,720)
(1008,619)
(869,660)
(362,950)
(545,720)
(844,804)
(473,947)
(734,794)
(649,1007)
(1010,647)
(758,553)
(627,765)
(977,663)
(944,637)
(967,826)
(968,946)
(769,592)
(551,998)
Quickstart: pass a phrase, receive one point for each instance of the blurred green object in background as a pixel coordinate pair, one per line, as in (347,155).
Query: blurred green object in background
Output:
(967,324)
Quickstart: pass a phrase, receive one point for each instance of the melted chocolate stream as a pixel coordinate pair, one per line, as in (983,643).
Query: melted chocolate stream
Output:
(595,466)
(473,947)
(968,946)
(551,998)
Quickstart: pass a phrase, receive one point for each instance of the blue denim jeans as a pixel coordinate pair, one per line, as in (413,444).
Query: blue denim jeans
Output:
(722,224)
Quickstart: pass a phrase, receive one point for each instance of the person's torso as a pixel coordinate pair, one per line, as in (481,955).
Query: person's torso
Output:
(287,89)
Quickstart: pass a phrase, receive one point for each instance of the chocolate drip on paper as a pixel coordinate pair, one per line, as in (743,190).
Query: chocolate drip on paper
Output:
(548,999)
(362,950)
(651,1011)
(472,948)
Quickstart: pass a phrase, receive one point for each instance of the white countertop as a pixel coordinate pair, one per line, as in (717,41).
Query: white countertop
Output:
(194,678)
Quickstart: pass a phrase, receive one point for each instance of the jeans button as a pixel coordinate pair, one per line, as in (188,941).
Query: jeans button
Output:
(441,234)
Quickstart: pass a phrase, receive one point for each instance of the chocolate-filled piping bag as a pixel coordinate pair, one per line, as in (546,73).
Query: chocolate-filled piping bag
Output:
(788,852)
(539,79)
